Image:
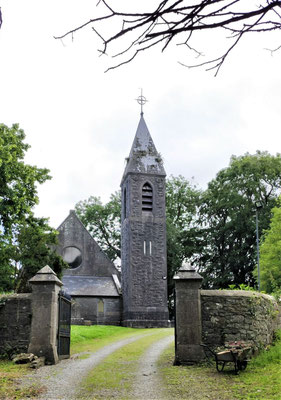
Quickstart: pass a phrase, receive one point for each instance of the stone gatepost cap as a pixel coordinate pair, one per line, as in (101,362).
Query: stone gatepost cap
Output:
(44,275)
(187,272)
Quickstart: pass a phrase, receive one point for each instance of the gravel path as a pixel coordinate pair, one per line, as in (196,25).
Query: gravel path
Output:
(62,379)
(148,385)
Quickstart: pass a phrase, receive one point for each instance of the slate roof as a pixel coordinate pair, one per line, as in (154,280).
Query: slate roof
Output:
(90,286)
(144,158)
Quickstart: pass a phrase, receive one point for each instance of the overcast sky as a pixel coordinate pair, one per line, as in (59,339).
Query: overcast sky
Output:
(80,121)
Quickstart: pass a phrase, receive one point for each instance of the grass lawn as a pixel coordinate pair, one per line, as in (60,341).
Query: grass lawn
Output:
(92,338)
(260,381)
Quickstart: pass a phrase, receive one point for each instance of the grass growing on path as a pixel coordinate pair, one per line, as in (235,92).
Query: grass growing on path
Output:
(92,338)
(260,381)
(114,377)
(83,338)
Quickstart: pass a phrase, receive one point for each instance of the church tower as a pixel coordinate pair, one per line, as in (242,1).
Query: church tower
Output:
(143,231)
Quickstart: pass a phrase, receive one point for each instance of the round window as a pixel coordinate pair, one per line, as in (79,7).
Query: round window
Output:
(73,256)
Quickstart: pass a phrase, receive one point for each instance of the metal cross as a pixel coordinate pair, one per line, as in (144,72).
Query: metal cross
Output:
(141,100)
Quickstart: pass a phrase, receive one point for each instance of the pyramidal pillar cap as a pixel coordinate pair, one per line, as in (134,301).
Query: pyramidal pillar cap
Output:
(187,272)
(45,275)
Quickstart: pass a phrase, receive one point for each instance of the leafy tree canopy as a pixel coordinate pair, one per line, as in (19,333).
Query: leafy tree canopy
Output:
(270,254)
(24,240)
(182,202)
(34,248)
(103,222)
(18,192)
(227,216)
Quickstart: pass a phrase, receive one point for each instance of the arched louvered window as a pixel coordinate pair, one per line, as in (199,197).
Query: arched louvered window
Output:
(147,197)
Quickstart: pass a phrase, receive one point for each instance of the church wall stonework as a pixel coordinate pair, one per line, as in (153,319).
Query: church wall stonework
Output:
(144,275)
(86,310)
(134,186)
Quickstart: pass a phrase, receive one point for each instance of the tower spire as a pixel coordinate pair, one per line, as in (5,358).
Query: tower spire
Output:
(144,157)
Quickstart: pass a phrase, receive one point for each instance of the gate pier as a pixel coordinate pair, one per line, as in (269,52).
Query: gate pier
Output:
(44,327)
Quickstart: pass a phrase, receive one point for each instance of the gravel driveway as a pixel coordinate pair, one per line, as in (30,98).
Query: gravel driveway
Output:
(63,379)
(148,385)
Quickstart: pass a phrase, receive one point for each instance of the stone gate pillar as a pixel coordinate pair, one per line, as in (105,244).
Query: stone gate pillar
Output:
(188,324)
(44,325)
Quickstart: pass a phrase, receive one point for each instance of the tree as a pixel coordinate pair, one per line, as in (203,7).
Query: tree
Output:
(35,247)
(24,240)
(18,191)
(182,203)
(270,254)
(162,22)
(103,222)
(227,217)
(7,271)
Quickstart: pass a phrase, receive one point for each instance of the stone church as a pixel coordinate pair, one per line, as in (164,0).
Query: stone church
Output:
(92,279)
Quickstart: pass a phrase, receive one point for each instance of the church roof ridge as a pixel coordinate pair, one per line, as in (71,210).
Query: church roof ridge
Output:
(144,157)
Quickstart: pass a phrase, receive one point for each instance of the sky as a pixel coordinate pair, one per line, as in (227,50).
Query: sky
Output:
(81,121)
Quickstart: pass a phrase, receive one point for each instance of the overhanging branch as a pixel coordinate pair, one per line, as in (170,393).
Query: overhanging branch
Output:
(174,18)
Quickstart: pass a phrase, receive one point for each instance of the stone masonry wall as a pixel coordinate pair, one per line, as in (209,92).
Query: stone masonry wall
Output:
(15,322)
(230,315)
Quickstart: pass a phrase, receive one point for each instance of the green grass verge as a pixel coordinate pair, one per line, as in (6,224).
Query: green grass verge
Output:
(195,382)
(91,338)
(260,381)
(9,374)
(114,377)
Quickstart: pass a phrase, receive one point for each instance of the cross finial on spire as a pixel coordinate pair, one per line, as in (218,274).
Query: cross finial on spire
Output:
(141,100)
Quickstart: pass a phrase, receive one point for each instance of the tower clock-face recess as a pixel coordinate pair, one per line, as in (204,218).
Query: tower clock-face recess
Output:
(143,235)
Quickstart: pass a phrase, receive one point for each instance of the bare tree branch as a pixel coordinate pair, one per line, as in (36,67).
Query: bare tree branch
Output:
(174,18)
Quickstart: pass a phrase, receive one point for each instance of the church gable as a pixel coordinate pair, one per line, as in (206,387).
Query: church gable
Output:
(80,250)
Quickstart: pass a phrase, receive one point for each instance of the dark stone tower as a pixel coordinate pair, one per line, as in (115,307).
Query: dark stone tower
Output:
(144,259)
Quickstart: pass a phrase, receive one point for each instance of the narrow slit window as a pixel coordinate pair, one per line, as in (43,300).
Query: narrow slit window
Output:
(144,247)
(125,203)
(147,197)
(150,248)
